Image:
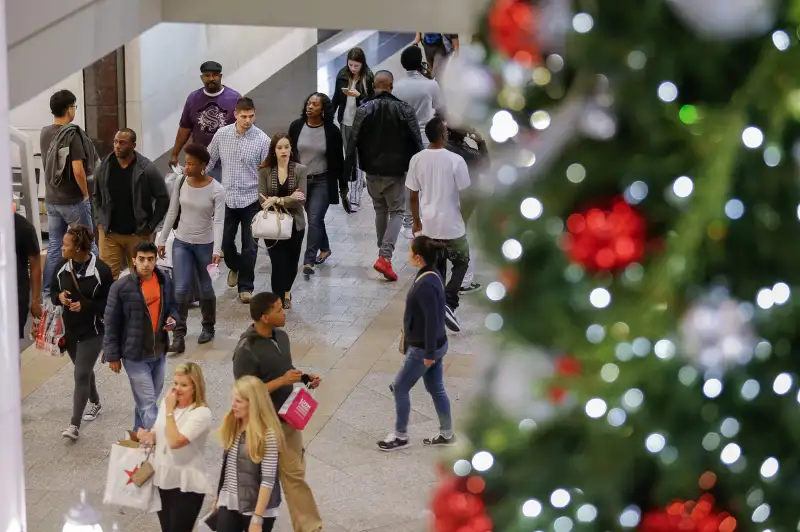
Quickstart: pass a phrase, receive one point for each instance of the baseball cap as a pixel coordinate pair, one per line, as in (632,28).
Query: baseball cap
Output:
(210,66)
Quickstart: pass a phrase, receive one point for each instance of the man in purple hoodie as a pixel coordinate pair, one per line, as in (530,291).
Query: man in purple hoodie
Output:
(206,110)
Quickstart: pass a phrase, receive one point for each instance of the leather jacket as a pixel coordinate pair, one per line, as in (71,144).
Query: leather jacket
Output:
(385,134)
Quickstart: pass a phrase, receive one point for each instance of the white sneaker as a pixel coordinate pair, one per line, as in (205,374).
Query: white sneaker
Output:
(407,233)
(245,297)
(71,432)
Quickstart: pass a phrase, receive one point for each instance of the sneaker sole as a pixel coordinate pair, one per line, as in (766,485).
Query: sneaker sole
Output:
(448,444)
(72,437)
(90,418)
(394,449)
(385,276)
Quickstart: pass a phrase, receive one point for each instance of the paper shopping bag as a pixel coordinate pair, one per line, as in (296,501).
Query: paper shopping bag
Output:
(121,489)
(298,408)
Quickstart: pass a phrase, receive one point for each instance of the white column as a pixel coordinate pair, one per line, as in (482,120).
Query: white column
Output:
(12,465)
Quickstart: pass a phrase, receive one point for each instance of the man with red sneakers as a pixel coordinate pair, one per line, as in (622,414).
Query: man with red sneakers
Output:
(386,135)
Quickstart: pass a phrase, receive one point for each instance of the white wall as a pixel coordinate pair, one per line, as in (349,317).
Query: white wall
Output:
(162,67)
(31,116)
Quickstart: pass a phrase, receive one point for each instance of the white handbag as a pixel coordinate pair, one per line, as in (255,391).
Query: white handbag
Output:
(272,224)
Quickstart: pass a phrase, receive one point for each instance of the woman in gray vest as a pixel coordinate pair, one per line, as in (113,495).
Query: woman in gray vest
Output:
(249,493)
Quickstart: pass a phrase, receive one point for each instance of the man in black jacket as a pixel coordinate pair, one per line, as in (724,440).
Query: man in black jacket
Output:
(130,200)
(140,310)
(386,136)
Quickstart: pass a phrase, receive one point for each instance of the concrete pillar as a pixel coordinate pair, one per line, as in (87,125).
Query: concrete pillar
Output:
(12,464)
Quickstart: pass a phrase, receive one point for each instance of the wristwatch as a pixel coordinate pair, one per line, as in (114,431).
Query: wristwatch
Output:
(257,520)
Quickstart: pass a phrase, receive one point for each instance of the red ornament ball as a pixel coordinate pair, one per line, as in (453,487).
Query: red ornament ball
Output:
(565,366)
(458,507)
(605,238)
(512,30)
(690,516)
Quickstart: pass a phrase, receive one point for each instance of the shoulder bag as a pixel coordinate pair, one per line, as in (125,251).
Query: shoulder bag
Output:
(272,223)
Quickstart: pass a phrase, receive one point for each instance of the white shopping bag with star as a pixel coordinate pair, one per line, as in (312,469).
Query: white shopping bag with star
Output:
(125,460)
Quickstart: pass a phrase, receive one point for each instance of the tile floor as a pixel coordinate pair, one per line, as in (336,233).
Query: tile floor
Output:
(344,325)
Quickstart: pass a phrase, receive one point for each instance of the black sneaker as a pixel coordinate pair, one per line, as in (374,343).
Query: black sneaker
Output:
(450,319)
(92,413)
(308,271)
(468,289)
(439,440)
(393,443)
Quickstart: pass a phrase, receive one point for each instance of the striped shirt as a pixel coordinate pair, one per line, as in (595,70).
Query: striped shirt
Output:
(241,155)
(229,495)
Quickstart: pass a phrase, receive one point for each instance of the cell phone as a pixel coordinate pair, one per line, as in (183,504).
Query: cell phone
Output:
(305,379)
(345,89)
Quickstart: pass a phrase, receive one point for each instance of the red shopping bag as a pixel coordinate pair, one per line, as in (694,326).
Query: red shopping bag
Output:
(298,408)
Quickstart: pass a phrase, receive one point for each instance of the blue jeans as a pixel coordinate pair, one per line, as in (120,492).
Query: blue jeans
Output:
(59,219)
(147,381)
(317,202)
(433,377)
(186,260)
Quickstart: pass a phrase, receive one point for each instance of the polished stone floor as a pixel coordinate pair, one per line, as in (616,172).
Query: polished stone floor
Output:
(344,325)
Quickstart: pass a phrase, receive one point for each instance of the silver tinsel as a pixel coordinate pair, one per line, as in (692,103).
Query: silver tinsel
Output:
(717,332)
(726,19)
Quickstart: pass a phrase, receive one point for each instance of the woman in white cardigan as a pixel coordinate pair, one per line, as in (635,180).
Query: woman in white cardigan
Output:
(179,435)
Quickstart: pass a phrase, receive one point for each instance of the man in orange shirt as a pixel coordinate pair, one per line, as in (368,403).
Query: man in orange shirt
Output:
(140,310)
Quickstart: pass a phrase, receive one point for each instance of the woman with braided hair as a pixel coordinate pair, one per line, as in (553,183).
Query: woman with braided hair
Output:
(80,284)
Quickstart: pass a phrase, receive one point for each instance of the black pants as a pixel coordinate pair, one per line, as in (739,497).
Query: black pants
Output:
(245,262)
(232,521)
(457,252)
(84,355)
(179,510)
(24,307)
(285,257)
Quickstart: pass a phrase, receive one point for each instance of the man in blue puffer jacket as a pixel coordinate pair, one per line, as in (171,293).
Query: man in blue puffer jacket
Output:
(140,310)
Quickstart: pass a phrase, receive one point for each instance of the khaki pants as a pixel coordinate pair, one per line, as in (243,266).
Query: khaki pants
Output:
(116,249)
(302,507)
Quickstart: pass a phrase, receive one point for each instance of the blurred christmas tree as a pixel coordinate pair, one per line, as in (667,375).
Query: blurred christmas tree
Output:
(644,227)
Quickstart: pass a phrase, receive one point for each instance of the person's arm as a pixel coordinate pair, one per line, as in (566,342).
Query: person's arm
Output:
(198,423)
(172,213)
(158,191)
(97,196)
(80,178)
(55,287)
(98,302)
(185,127)
(430,319)
(293,201)
(269,472)
(336,159)
(413,124)
(437,101)
(352,142)
(418,37)
(113,319)
(414,204)
(33,252)
(454,42)
(219,218)
(213,151)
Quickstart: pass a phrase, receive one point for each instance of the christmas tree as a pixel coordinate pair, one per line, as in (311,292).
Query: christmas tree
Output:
(643,224)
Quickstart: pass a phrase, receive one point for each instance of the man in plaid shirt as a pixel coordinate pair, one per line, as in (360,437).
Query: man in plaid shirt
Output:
(241,147)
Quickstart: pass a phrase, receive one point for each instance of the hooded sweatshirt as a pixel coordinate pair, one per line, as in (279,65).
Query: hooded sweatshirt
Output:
(265,358)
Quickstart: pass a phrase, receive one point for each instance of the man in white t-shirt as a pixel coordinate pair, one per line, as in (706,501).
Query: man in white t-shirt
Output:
(436,178)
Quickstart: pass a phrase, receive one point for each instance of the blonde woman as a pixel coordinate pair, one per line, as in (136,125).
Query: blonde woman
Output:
(249,492)
(179,435)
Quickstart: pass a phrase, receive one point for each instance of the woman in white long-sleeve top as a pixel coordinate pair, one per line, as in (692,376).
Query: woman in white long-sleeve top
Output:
(249,492)
(197,213)
(179,435)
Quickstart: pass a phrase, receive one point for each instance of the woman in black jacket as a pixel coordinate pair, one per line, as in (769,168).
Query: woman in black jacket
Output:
(80,284)
(318,146)
(354,84)
(424,344)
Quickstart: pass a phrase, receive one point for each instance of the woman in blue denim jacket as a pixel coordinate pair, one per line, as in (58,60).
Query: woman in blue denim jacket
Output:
(424,344)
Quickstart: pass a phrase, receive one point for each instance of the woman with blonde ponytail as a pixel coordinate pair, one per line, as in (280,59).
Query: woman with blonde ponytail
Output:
(249,493)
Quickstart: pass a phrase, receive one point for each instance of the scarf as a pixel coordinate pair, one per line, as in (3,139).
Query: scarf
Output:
(274,183)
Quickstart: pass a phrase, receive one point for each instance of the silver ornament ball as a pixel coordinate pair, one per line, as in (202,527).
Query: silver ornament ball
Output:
(726,19)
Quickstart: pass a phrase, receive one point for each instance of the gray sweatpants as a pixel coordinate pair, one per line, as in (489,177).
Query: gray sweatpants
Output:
(388,195)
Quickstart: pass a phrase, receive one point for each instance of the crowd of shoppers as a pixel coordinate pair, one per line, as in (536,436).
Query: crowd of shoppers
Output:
(373,132)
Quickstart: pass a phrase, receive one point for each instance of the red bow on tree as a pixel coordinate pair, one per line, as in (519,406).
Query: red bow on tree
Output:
(689,516)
